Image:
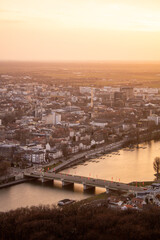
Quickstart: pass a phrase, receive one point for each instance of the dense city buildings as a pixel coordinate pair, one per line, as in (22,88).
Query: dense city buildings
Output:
(41,122)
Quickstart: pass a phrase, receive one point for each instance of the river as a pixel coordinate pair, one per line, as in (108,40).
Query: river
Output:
(125,165)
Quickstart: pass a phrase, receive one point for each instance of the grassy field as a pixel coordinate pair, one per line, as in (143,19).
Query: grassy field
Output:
(51,166)
(95,73)
(141,184)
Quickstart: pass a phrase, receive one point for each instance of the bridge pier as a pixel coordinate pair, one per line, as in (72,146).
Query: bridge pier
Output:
(87,187)
(107,190)
(42,179)
(65,183)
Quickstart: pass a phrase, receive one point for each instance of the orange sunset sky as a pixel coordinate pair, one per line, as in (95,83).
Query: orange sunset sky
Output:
(60,30)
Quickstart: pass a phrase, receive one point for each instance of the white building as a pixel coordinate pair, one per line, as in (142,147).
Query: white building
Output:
(154,118)
(146,90)
(53,118)
(48,147)
(54,154)
(99,123)
(86,90)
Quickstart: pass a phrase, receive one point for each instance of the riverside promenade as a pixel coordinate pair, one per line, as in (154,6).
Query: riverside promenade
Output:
(76,158)
(14,183)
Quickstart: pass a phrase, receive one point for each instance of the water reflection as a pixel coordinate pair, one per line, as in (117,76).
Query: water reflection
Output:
(125,165)
(36,193)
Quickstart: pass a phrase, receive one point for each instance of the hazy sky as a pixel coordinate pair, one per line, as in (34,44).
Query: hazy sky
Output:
(79,30)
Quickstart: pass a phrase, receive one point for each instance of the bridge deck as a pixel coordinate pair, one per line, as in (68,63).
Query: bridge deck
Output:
(84,180)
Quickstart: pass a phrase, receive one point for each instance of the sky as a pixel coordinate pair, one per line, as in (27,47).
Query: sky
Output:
(80,30)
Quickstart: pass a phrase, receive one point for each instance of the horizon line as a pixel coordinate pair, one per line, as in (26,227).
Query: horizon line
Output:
(80,61)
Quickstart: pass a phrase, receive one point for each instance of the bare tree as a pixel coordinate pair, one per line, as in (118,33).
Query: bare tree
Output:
(65,150)
(156,165)
(4,168)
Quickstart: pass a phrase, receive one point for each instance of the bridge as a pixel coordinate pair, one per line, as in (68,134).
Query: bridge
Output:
(87,182)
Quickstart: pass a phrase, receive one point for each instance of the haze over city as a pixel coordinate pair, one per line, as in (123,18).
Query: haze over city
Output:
(79,119)
(80,30)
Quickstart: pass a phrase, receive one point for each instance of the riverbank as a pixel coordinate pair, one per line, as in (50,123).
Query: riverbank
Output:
(104,149)
(4,185)
(125,165)
(87,154)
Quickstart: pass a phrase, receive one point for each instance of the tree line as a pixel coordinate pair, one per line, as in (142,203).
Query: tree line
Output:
(156,166)
(80,223)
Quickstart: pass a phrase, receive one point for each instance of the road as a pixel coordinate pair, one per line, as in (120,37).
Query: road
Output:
(88,153)
(66,178)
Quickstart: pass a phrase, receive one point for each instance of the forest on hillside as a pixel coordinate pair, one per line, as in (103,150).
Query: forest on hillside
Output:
(79,222)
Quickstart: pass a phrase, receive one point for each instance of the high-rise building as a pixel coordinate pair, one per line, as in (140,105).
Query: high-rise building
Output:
(92,98)
(128,91)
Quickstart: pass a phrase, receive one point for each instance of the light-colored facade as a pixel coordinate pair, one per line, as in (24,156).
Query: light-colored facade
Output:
(53,118)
